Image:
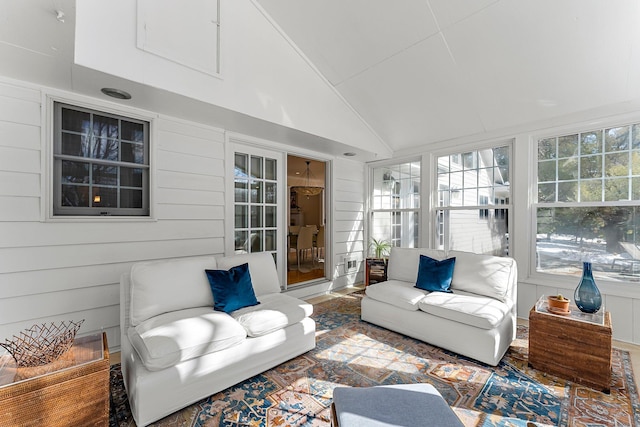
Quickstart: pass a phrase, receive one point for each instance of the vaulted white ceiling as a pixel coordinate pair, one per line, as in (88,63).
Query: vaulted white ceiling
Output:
(421,71)
(416,71)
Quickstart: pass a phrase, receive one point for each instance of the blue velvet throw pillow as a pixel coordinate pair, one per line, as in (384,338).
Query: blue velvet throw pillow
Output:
(434,275)
(232,289)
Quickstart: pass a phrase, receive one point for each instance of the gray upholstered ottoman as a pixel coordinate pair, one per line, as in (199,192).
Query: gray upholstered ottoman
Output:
(405,405)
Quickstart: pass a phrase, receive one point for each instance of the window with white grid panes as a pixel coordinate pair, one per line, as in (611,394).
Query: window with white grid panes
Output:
(395,204)
(255,203)
(588,195)
(470,185)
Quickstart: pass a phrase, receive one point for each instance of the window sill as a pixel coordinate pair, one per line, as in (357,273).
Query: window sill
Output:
(625,289)
(100,219)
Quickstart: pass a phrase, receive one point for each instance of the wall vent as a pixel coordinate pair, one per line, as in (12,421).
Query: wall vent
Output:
(350,265)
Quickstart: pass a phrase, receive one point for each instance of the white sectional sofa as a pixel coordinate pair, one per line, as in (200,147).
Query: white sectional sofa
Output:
(176,349)
(477,320)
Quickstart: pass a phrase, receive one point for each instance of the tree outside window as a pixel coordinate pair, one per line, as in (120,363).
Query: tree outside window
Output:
(587,204)
(100,163)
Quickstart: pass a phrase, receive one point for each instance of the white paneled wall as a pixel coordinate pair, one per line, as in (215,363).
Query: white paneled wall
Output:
(69,270)
(348,220)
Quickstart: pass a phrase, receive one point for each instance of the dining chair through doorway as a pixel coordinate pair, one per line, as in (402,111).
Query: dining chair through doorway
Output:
(304,244)
(320,244)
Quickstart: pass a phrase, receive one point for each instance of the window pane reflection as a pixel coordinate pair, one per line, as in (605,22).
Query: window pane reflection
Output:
(257,189)
(241,216)
(270,192)
(270,218)
(109,154)
(270,240)
(270,169)
(256,167)
(256,216)
(240,241)
(241,192)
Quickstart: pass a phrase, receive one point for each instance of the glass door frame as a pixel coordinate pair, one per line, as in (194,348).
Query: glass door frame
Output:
(236,144)
(251,145)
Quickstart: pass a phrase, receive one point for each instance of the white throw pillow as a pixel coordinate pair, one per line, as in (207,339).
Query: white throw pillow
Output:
(168,285)
(262,269)
(275,311)
(483,274)
(404,262)
(171,338)
(398,293)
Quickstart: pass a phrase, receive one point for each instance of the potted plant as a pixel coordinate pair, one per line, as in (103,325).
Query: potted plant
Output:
(558,303)
(379,247)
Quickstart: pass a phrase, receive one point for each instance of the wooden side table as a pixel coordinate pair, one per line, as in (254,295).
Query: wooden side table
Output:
(571,348)
(73,390)
(375,271)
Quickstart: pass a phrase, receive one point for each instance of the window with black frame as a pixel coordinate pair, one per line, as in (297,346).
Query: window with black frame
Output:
(100,163)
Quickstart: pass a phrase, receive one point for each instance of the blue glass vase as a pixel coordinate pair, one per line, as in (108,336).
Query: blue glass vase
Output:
(587,295)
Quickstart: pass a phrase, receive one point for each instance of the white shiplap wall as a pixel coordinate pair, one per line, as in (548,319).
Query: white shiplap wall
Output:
(348,220)
(62,270)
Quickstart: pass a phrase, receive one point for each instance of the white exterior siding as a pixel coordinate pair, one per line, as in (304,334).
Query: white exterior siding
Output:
(471,233)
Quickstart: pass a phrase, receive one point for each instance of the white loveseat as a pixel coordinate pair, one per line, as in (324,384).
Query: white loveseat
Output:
(477,320)
(177,350)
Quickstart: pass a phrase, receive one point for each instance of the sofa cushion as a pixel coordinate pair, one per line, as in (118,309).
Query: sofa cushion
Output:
(403,262)
(483,274)
(276,311)
(262,268)
(168,285)
(482,312)
(170,338)
(398,293)
(434,275)
(232,289)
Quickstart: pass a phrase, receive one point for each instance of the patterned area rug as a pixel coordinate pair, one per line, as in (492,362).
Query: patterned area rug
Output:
(355,353)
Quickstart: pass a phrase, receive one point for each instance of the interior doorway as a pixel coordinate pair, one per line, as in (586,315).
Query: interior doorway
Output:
(306,219)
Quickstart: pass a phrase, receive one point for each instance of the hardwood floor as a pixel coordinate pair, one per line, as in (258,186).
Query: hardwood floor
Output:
(634,354)
(295,276)
(310,269)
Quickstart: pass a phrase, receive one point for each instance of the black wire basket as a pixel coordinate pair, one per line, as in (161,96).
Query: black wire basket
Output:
(42,344)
